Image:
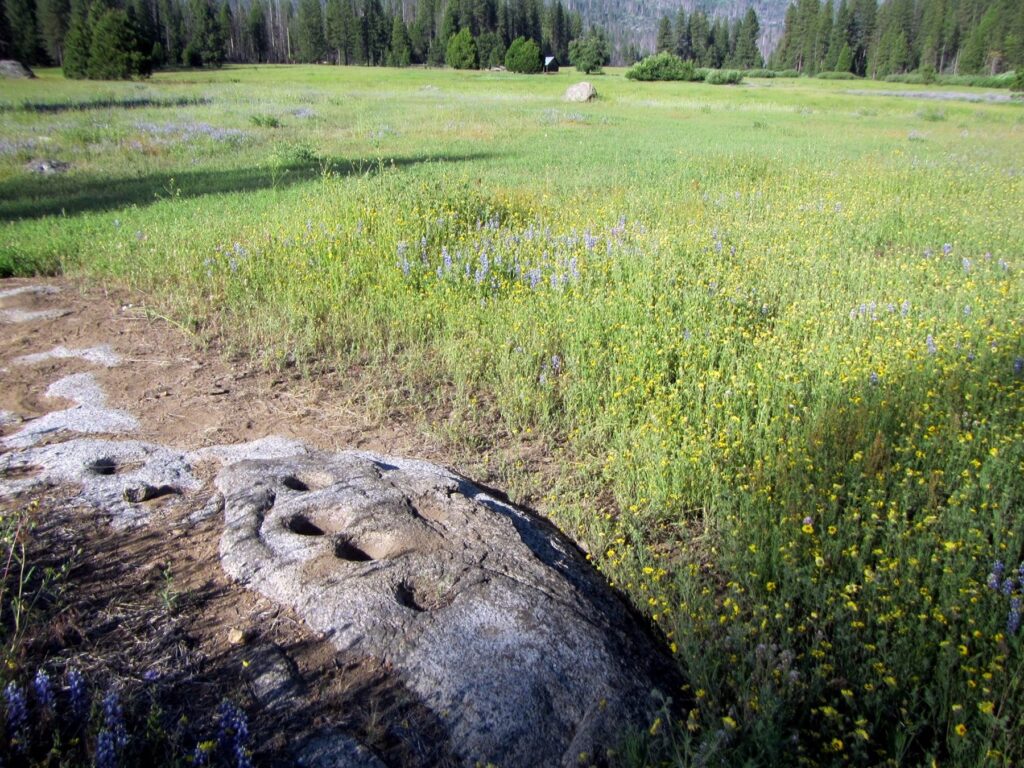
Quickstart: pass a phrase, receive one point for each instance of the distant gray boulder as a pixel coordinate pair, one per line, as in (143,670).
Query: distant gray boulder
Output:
(580,92)
(15,70)
(484,610)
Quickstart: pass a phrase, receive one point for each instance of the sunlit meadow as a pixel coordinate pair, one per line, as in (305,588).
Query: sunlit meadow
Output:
(777,328)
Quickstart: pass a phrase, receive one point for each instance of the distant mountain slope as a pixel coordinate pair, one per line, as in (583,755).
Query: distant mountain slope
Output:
(636,21)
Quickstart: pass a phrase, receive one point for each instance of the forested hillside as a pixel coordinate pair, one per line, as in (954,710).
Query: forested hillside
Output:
(961,36)
(118,38)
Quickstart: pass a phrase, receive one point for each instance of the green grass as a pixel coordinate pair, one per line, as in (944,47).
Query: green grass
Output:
(776,326)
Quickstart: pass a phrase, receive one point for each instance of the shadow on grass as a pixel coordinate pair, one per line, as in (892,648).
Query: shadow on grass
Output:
(36,196)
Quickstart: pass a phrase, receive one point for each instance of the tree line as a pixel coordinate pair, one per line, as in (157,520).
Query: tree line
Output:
(712,42)
(90,38)
(900,36)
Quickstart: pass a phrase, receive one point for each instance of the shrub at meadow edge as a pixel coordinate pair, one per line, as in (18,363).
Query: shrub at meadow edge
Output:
(523,56)
(461,51)
(663,66)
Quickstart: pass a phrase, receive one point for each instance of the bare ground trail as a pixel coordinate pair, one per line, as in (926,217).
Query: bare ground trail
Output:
(151,601)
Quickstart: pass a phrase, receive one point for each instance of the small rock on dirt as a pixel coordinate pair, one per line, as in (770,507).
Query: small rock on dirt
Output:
(581,92)
(47,167)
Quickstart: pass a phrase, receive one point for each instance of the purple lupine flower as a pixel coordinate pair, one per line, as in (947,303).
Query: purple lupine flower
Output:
(966,264)
(17,717)
(905,308)
(43,691)
(200,757)
(574,272)
(995,578)
(589,241)
(232,727)
(113,719)
(556,364)
(930,344)
(1013,620)
(1003,265)
(947,248)
(1007,587)
(967,310)
(1018,366)
(873,379)
(484,269)
(106,749)
(77,694)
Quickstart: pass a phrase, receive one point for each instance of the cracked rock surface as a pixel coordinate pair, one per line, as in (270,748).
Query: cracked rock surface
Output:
(489,613)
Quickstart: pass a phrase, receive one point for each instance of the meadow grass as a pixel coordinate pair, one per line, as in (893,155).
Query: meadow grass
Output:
(777,328)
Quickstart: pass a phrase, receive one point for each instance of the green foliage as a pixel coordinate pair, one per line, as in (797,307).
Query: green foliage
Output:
(265,121)
(77,43)
(665,41)
(845,61)
(841,75)
(400,50)
(523,56)
(723,77)
(1018,81)
(311,43)
(461,51)
(588,54)
(23,29)
(491,50)
(762,73)
(662,66)
(790,73)
(113,51)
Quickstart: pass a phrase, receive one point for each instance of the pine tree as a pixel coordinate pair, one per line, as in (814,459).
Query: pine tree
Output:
(113,52)
(664,41)
(23,31)
(401,48)
(54,17)
(844,63)
(226,27)
(310,44)
(77,42)
(746,54)
(461,51)
(256,31)
(682,33)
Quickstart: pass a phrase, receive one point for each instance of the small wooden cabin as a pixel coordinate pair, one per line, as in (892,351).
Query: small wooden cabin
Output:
(550,64)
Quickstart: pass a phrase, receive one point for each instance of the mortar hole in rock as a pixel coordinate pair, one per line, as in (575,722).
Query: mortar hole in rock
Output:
(409,595)
(295,484)
(104,466)
(302,526)
(344,549)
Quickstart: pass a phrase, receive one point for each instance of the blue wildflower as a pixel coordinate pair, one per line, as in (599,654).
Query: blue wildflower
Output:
(77,693)
(43,691)
(873,379)
(232,727)
(1013,620)
(106,749)
(947,248)
(1018,366)
(930,344)
(17,717)
(1007,587)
